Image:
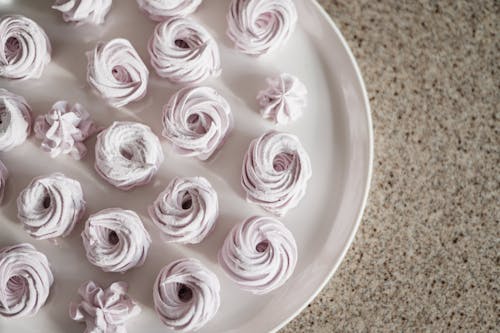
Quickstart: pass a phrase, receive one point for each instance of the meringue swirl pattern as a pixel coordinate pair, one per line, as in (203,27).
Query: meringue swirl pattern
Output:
(197,121)
(50,206)
(260,26)
(83,11)
(24,48)
(25,280)
(4,174)
(183,51)
(186,211)
(117,72)
(276,169)
(15,120)
(127,154)
(186,295)
(259,254)
(161,10)
(115,240)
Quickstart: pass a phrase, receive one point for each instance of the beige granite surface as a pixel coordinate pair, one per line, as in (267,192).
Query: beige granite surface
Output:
(427,255)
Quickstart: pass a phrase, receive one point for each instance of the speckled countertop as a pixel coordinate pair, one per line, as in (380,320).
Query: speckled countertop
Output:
(426,257)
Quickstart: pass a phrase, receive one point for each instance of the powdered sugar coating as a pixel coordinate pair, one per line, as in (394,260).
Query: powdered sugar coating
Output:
(161,10)
(83,11)
(15,120)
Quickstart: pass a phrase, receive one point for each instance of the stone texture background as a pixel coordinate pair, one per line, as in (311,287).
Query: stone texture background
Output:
(427,255)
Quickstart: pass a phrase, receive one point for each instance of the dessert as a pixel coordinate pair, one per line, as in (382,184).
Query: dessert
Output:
(186,295)
(161,10)
(15,120)
(276,169)
(116,240)
(259,254)
(104,310)
(127,154)
(260,26)
(4,174)
(186,211)
(24,48)
(284,99)
(64,129)
(25,280)
(83,11)
(50,206)
(117,73)
(197,121)
(183,51)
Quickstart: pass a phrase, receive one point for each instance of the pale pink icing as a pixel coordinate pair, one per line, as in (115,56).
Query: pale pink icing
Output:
(83,11)
(15,120)
(161,10)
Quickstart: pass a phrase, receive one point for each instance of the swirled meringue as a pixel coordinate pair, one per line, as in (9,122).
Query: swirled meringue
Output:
(104,310)
(116,240)
(186,295)
(161,10)
(259,26)
(197,121)
(64,129)
(15,120)
(83,11)
(24,48)
(284,99)
(186,210)
(275,172)
(25,280)
(259,254)
(117,72)
(50,206)
(4,174)
(183,51)
(127,154)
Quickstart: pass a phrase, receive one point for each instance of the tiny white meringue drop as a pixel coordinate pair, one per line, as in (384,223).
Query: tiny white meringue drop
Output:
(15,120)
(83,11)
(161,10)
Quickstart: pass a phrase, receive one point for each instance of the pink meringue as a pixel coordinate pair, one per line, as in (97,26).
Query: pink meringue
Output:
(50,206)
(104,310)
(186,211)
(260,26)
(25,280)
(64,129)
(127,154)
(197,121)
(284,99)
(161,10)
(186,295)
(4,174)
(275,172)
(183,51)
(15,120)
(116,240)
(24,48)
(117,72)
(83,11)
(259,254)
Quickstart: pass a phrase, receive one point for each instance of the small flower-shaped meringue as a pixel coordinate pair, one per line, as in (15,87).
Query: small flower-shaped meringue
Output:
(117,72)
(64,129)
(15,120)
(284,99)
(186,295)
(4,174)
(197,121)
(83,11)
(24,48)
(161,10)
(259,26)
(183,51)
(104,310)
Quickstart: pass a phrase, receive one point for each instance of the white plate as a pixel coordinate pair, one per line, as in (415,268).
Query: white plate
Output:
(336,131)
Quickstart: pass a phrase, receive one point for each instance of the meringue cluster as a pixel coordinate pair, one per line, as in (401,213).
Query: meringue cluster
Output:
(4,174)
(83,11)
(15,120)
(161,10)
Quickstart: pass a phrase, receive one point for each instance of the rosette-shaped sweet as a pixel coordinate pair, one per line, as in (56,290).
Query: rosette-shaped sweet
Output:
(161,10)
(186,211)
(4,174)
(50,206)
(259,26)
(83,11)
(64,129)
(284,99)
(104,310)
(116,240)
(197,121)
(15,120)
(276,169)
(183,51)
(186,295)
(117,72)
(259,254)
(24,48)
(127,154)
(25,280)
